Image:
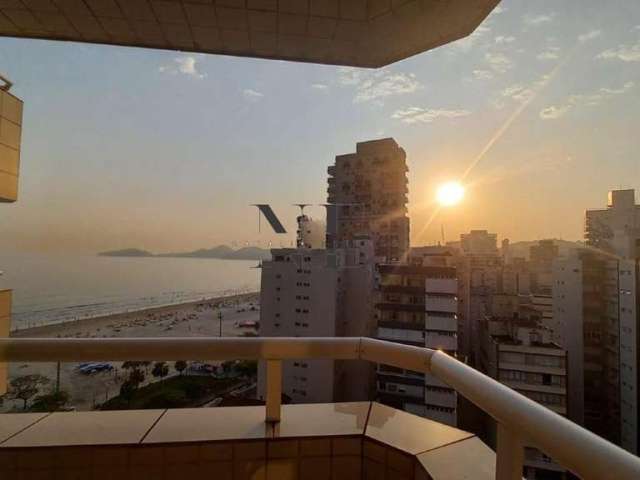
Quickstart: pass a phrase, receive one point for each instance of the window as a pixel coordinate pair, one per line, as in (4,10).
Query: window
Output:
(546,379)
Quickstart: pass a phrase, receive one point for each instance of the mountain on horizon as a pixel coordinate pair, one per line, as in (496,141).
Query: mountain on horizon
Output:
(223,252)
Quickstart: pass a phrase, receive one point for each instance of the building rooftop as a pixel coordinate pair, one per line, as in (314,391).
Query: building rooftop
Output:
(357,33)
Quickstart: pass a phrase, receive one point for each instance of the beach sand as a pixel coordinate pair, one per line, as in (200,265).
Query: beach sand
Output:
(194,319)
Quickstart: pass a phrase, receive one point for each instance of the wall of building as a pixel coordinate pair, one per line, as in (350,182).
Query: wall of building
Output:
(369,189)
(417,305)
(567,313)
(298,297)
(629,367)
(10,139)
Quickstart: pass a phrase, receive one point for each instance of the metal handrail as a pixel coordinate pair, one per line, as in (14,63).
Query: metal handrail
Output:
(521,421)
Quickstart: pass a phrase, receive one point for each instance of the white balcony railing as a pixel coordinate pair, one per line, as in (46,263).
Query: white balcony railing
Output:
(521,422)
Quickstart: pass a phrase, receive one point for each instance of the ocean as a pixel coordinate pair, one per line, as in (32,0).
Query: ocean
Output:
(57,288)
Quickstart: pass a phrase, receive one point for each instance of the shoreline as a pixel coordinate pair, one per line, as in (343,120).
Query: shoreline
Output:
(217,316)
(95,323)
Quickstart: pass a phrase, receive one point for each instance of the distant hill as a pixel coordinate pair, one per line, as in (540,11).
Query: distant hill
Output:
(521,249)
(223,252)
(126,252)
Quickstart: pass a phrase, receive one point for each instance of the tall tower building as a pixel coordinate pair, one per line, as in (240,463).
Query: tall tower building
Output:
(479,274)
(367,195)
(615,229)
(417,305)
(315,292)
(596,305)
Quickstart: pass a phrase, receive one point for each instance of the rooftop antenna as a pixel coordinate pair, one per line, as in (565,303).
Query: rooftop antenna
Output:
(301,206)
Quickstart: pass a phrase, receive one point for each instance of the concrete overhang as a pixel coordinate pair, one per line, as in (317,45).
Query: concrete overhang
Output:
(359,33)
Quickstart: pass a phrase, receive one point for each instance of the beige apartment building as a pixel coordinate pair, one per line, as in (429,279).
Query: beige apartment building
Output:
(10,134)
(367,195)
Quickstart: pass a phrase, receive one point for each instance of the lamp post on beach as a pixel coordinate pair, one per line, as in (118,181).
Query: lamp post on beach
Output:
(220,318)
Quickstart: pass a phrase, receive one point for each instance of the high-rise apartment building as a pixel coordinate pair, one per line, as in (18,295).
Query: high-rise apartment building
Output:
(480,275)
(479,242)
(417,305)
(585,304)
(367,195)
(596,305)
(541,257)
(518,351)
(311,292)
(615,229)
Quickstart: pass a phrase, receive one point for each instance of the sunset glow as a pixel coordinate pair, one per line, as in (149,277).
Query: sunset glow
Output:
(450,193)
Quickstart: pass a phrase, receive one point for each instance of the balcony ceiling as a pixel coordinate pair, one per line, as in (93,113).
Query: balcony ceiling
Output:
(361,33)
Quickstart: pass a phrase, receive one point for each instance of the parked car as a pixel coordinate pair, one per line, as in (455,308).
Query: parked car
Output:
(90,368)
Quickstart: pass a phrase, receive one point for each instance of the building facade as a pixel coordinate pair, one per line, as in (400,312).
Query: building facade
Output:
(480,276)
(367,195)
(541,257)
(595,303)
(518,352)
(319,293)
(615,229)
(417,305)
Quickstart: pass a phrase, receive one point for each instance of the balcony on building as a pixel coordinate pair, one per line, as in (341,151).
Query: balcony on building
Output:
(350,440)
(317,441)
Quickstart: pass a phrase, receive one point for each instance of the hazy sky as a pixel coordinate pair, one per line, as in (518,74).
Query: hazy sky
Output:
(166,151)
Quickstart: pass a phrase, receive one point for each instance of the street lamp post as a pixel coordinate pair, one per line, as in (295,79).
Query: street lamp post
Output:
(220,318)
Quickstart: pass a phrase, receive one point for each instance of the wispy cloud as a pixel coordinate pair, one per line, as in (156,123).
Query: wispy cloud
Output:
(427,115)
(378,84)
(252,95)
(585,37)
(319,86)
(524,92)
(625,53)
(502,40)
(536,20)
(483,74)
(186,64)
(551,53)
(498,61)
(553,112)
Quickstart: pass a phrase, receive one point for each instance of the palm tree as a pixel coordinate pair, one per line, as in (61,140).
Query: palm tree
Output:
(180,366)
(160,369)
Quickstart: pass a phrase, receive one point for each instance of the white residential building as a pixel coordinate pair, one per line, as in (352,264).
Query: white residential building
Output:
(417,305)
(319,293)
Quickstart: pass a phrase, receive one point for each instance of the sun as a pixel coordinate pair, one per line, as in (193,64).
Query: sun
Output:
(450,193)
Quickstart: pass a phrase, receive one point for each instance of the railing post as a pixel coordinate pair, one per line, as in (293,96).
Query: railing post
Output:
(274,390)
(509,455)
